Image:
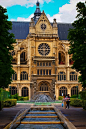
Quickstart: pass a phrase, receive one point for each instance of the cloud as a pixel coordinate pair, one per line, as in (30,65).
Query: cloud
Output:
(67,12)
(27,3)
(23,19)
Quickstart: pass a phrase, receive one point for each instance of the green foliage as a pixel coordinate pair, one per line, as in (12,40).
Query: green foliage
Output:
(73,96)
(84,104)
(14,96)
(26,98)
(3,94)
(19,97)
(60,97)
(76,102)
(77,38)
(83,95)
(6,40)
(10,102)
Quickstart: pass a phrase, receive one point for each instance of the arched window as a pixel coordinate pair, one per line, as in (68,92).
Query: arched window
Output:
(14,76)
(44,86)
(13,90)
(70,61)
(61,58)
(61,76)
(73,76)
(62,90)
(25,91)
(74,90)
(24,75)
(23,58)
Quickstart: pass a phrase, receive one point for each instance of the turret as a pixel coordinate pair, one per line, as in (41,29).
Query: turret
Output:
(37,12)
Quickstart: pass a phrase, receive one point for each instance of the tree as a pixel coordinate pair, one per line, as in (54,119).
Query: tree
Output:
(6,40)
(77,38)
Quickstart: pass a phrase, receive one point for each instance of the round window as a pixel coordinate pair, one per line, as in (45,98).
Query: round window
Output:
(44,49)
(43,26)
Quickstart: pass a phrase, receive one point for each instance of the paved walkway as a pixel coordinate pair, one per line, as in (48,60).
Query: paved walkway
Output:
(76,115)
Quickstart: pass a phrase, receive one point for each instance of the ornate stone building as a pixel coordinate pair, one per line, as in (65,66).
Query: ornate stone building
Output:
(40,58)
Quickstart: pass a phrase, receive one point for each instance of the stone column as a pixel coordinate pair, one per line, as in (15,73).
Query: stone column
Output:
(67,74)
(19,89)
(57,92)
(18,74)
(18,57)
(67,59)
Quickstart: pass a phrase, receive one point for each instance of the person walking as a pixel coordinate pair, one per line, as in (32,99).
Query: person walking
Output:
(68,101)
(64,102)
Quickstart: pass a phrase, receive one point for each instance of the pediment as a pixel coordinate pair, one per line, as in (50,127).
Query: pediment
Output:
(43,25)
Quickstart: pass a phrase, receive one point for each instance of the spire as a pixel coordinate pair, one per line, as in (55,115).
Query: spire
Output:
(37,12)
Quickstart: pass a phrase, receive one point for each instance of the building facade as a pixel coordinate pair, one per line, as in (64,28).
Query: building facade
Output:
(40,58)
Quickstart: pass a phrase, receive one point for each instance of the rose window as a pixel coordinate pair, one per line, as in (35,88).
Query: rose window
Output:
(44,49)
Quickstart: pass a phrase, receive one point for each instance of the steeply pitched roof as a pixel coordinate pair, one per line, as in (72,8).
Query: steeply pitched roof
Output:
(21,30)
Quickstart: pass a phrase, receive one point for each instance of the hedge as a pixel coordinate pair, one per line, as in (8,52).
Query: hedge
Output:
(76,102)
(23,98)
(84,104)
(83,95)
(10,102)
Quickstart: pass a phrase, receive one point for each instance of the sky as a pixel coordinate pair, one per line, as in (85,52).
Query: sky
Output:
(23,10)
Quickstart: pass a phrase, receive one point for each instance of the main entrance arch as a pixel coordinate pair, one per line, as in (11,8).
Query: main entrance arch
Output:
(44,87)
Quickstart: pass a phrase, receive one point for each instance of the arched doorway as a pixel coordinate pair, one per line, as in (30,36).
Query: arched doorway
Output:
(25,91)
(74,90)
(44,87)
(62,90)
(13,90)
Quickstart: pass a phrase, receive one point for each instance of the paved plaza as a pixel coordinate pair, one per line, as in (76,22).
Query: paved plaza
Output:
(75,115)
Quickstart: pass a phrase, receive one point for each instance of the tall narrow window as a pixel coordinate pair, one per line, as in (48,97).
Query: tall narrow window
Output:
(37,63)
(46,63)
(14,76)
(73,76)
(49,63)
(41,72)
(24,75)
(61,76)
(43,63)
(37,72)
(49,72)
(40,63)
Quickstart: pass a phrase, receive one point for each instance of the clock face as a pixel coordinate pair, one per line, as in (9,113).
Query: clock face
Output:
(43,26)
(44,49)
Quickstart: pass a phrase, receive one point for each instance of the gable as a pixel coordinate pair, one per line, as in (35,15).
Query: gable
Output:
(43,25)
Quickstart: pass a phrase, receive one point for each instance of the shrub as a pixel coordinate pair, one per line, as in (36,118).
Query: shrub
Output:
(10,102)
(73,96)
(60,97)
(84,104)
(20,97)
(14,96)
(83,95)
(26,98)
(76,102)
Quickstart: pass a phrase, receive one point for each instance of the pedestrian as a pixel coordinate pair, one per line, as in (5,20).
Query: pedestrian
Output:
(64,102)
(68,101)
